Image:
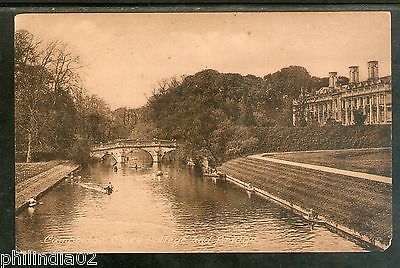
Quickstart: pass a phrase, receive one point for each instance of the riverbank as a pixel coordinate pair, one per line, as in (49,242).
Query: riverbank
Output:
(42,177)
(353,205)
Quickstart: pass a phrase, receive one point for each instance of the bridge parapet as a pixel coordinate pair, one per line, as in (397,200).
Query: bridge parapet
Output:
(119,148)
(134,144)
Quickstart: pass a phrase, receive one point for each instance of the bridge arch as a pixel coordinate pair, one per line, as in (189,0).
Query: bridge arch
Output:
(102,157)
(165,154)
(135,150)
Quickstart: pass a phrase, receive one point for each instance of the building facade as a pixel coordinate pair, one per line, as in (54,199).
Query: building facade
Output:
(341,103)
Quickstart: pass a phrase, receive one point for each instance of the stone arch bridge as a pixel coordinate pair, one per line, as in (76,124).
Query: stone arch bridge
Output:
(119,149)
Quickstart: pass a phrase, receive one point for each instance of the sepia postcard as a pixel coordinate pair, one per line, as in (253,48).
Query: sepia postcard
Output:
(203,132)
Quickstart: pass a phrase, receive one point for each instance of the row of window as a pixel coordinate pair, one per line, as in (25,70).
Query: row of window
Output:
(358,102)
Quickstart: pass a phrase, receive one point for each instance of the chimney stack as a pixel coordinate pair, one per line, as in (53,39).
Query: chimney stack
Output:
(373,70)
(332,79)
(354,74)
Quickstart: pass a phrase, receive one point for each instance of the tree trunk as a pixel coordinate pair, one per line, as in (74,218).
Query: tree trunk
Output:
(29,148)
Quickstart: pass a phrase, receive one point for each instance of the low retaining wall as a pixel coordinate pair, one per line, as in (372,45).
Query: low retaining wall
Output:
(38,185)
(331,225)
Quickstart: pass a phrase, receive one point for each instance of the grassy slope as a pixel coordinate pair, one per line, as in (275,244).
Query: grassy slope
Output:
(362,205)
(377,162)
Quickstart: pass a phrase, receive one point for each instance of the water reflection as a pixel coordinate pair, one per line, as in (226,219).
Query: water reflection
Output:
(174,212)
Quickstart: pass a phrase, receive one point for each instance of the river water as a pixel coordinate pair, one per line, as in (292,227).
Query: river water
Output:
(176,212)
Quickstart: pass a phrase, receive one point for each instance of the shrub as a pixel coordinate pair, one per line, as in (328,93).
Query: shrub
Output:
(328,137)
(80,152)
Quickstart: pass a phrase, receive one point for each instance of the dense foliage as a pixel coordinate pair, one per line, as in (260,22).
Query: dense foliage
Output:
(214,114)
(54,116)
(222,116)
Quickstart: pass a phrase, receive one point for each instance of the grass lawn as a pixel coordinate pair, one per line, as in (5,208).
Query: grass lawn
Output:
(24,171)
(362,205)
(373,161)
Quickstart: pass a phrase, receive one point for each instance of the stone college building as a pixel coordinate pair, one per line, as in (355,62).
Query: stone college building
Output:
(372,98)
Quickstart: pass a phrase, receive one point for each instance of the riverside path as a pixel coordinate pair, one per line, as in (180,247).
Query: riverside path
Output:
(350,173)
(40,183)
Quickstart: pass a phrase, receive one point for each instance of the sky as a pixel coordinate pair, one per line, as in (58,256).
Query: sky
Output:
(127,55)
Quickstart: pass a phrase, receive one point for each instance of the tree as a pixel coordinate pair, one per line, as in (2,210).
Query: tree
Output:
(342,80)
(216,114)
(32,81)
(301,103)
(53,112)
(97,119)
(46,85)
(284,86)
(289,81)
(64,121)
(196,110)
(123,121)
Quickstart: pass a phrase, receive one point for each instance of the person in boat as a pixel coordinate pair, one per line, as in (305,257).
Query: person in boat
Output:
(32,202)
(109,188)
